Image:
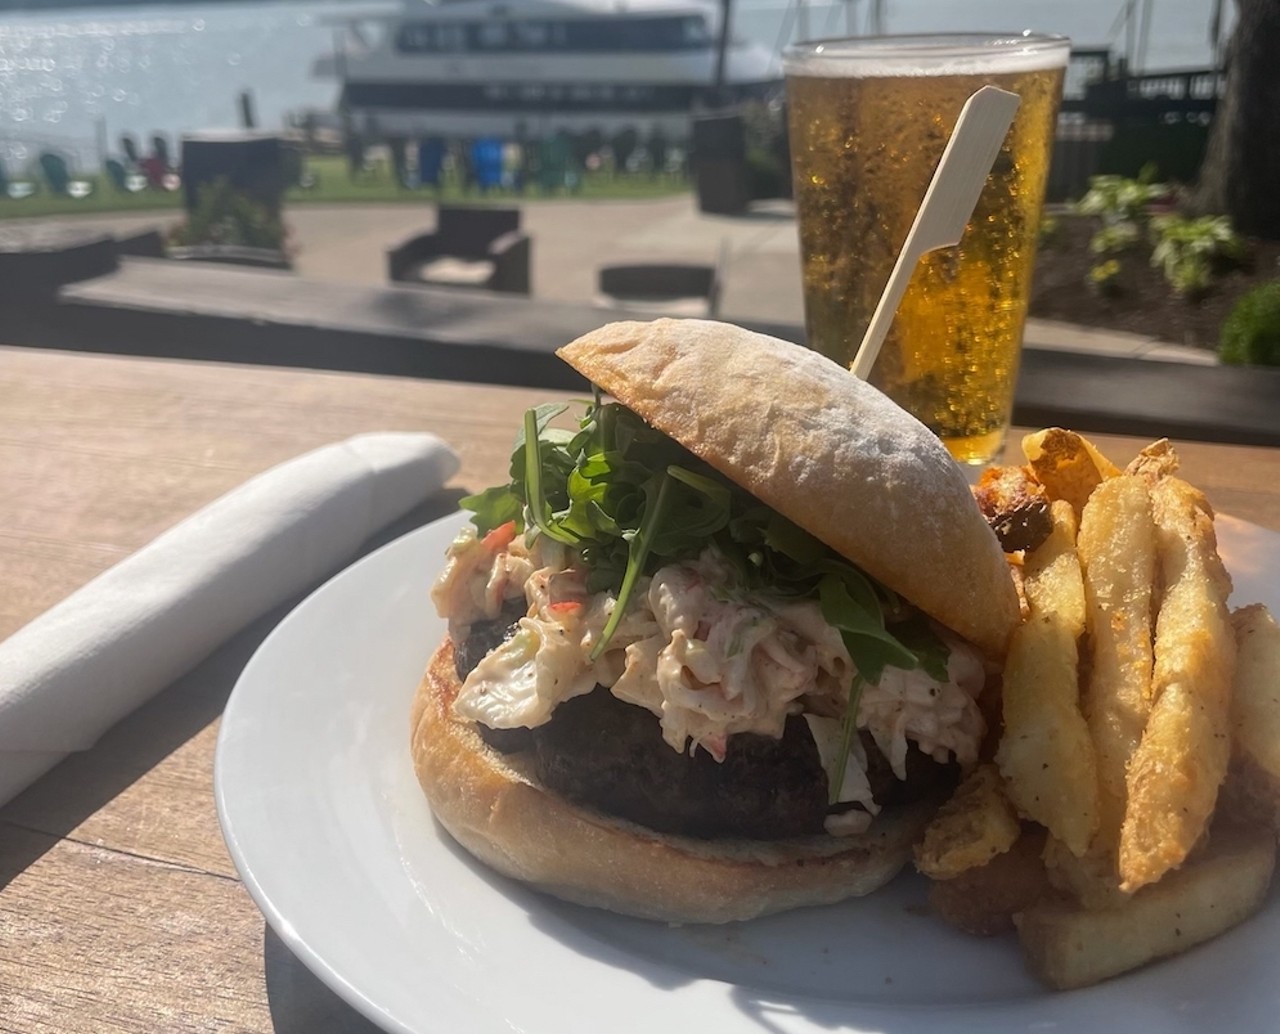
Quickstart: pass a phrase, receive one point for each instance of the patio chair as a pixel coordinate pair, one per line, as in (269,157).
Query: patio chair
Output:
(663,289)
(53,167)
(117,175)
(16,190)
(486,157)
(472,246)
(431,152)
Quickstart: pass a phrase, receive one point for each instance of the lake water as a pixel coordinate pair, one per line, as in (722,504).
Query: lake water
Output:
(67,78)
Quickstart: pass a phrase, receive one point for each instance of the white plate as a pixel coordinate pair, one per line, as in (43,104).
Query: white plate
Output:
(325,822)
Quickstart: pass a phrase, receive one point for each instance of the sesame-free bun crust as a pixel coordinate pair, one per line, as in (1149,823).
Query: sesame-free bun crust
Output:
(821,447)
(491,804)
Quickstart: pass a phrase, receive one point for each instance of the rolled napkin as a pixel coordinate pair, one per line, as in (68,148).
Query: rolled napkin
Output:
(80,667)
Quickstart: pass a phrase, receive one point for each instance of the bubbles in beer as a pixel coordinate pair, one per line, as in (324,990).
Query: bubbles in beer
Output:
(864,148)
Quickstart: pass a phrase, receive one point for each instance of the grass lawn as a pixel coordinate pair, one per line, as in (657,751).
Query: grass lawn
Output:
(333,185)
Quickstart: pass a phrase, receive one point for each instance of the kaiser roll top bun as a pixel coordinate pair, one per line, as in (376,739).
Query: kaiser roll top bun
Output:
(824,449)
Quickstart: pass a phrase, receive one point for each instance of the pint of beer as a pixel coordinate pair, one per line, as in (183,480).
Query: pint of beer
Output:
(869,118)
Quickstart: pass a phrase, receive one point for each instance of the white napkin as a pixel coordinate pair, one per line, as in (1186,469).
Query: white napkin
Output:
(83,665)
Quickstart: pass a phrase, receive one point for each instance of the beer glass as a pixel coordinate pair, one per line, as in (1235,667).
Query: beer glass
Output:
(869,118)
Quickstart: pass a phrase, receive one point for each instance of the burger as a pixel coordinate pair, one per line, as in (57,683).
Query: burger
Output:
(717,649)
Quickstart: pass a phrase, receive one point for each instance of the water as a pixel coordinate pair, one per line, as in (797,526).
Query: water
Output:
(69,79)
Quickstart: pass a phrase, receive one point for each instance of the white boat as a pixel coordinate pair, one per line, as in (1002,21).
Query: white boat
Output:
(479,67)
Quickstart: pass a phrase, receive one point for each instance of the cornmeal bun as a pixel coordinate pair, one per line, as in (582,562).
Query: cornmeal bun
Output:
(491,804)
(838,459)
(822,448)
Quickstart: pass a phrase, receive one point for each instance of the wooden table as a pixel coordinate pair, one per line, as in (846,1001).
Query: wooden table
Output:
(119,907)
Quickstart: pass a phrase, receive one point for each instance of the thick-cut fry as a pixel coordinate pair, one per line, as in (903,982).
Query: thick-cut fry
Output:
(1138,728)
(1255,694)
(983,900)
(974,826)
(1117,555)
(1252,788)
(1092,879)
(1175,774)
(1068,465)
(1069,946)
(1046,755)
(1053,581)
(1156,461)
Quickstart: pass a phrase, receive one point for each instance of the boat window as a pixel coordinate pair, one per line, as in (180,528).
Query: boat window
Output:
(586,34)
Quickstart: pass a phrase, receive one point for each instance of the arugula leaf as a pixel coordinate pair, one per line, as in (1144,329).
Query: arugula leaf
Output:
(862,629)
(628,499)
(493,507)
(536,505)
(848,730)
(641,543)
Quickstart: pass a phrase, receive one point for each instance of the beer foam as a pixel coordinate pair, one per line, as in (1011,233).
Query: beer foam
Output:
(921,56)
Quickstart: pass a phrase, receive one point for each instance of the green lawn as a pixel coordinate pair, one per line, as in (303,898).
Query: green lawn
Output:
(333,185)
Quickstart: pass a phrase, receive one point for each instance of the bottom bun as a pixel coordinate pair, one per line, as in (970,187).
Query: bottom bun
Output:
(491,804)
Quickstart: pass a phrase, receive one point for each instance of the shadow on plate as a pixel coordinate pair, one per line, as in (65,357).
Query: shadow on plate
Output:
(299,1001)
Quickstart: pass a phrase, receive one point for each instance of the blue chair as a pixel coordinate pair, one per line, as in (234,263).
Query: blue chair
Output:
(486,155)
(431,153)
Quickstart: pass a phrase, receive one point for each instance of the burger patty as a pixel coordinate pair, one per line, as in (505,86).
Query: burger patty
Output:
(607,754)
(603,752)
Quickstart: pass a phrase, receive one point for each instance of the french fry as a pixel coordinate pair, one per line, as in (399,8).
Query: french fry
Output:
(983,900)
(1154,462)
(1053,579)
(1118,557)
(970,829)
(1069,946)
(1255,694)
(1046,755)
(1139,726)
(1092,879)
(1068,465)
(1252,788)
(1176,772)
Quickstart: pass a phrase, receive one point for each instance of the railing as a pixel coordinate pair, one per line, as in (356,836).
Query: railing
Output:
(1167,96)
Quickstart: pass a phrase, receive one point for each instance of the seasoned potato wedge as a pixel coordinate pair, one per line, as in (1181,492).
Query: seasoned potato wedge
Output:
(983,900)
(974,826)
(1176,772)
(1067,464)
(1046,755)
(1255,694)
(1068,946)
(1117,546)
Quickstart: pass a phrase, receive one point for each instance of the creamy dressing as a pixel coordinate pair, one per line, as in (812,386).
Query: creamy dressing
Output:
(706,656)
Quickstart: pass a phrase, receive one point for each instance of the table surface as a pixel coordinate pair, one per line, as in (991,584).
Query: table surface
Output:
(119,907)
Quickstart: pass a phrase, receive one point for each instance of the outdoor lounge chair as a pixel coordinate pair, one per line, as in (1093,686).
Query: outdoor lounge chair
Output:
(57,177)
(472,246)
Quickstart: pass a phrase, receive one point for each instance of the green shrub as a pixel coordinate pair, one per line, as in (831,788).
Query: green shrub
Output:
(1115,237)
(224,215)
(1118,199)
(1104,277)
(1251,333)
(1191,251)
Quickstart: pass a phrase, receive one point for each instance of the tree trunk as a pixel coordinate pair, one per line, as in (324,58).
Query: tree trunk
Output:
(1241,173)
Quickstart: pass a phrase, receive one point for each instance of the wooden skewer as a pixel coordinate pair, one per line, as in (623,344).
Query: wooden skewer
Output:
(948,203)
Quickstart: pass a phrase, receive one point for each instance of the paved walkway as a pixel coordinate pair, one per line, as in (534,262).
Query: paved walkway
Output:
(571,239)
